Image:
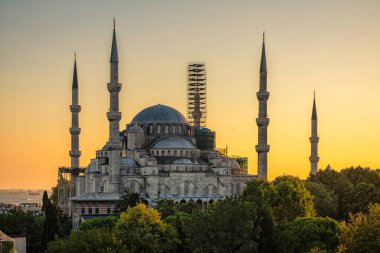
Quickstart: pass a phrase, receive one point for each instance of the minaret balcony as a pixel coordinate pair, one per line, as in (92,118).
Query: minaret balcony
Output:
(114,145)
(75,108)
(75,153)
(314,139)
(262,95)
(75,130)
(113,115)
(314,159)
(262,148)
(262,122)
(112,87)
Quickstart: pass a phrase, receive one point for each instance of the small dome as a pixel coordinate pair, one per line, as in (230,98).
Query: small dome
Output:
(135,129)
(159,114)
(173,142)
(234,164)
(128,162)
(182,161)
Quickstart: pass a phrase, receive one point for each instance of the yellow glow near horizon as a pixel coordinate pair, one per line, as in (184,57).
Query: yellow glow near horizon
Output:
(328,46)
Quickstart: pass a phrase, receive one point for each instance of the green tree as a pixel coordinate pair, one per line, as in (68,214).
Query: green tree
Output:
(108,222)
(262,193)
(51,225)
(338,184)
(362,232)
(362,175)
(360,196)
(88,241)
(27,224)
(166,208)
(54,195)
(178,221)
(308,234)
(325,201)
(142,230)
(128,199)
(230,225)
(291,199)
(45,200)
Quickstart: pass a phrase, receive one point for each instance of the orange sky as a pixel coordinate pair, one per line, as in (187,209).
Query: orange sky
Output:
(332,47)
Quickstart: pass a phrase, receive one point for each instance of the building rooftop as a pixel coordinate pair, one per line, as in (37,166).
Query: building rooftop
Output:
(173,142)
(100,196)
(159,114)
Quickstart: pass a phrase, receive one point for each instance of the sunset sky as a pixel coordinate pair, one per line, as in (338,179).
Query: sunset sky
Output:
(332,47)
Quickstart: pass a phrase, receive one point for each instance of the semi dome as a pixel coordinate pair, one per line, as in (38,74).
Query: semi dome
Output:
(135,129)
(182,161)
(159,114)
(173,142)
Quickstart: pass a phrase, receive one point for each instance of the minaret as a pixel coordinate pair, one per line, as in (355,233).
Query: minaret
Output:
(114,143)
(74,130)
(114,115)
(314,139)
(262,121)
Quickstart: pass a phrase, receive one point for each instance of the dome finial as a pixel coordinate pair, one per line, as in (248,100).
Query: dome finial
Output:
(114,23)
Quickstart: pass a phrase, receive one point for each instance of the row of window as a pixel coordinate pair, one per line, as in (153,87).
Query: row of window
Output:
(95,210)
(174,129)
(174,152)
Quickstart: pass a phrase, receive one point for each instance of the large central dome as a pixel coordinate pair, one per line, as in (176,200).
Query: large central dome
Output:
(159,114)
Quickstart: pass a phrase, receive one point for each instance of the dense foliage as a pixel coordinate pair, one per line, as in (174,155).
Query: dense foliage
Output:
(228,226)
(88,241)
(362,232)
(305,234)
(336,194)
(284,215)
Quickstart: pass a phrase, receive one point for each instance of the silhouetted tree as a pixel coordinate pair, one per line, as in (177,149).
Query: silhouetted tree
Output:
(305,234)
(291,199)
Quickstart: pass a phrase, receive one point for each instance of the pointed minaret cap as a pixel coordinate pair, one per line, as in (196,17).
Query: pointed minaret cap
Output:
(114,57)
(314,114)
(263,65)
(75,77)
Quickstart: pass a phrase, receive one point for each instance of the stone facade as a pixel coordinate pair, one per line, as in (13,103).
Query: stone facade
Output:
(156,155)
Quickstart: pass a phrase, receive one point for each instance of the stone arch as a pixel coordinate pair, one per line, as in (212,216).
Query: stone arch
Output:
(134,186)
(187,188)
(164,189)
(182,201)
(237,188)
(211,190)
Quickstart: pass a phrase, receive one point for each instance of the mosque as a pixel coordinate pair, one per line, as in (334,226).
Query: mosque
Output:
(160,154)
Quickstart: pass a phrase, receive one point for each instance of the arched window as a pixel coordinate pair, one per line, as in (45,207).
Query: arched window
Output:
(173,129)
(150,129)
(166,129)
(179,130)
(159,129)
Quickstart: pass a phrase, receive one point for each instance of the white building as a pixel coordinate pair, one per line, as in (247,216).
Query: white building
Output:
(156,156)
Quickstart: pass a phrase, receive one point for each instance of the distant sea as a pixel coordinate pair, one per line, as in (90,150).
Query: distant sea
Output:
(15,196)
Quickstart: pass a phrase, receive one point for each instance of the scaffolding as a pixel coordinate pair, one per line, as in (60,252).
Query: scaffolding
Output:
(243,162)
(196,94)
(65,176)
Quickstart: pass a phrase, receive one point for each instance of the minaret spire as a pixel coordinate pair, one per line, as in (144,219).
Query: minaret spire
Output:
(314,139)
(114,143)
(114,54)
(262,120)
(74,131)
